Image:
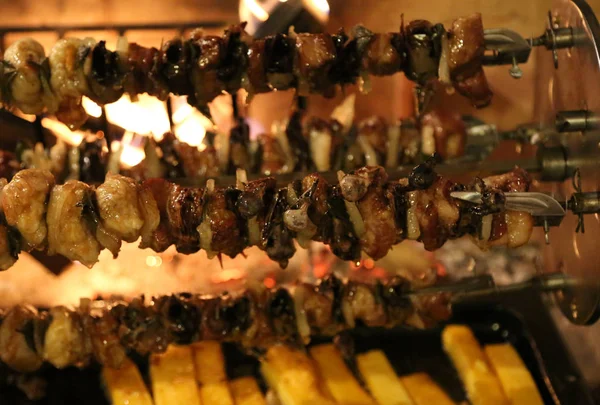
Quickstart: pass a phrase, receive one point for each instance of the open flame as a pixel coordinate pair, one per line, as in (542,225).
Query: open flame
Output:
(189,124)
(132,151)
(91,108)
(147,116)
(63,132)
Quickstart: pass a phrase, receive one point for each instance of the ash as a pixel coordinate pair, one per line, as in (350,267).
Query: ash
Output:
(461,258)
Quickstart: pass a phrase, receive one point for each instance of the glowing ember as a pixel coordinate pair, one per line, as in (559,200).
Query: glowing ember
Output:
(269,282)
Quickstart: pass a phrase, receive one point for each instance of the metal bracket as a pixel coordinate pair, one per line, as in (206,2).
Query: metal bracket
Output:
(507,48)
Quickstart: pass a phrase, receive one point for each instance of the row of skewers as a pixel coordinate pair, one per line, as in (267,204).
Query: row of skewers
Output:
(106,330)
(202,66)
(362,213)
(298,144)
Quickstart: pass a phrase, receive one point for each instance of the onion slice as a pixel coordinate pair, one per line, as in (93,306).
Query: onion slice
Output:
(394,134)
(353,212)
(443,67)
(367,149)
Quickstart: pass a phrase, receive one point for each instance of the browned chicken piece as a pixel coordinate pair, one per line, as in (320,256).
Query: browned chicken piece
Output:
(8,255)
(437,213)
(184,210)
(205,79)
(239,139)
(118,207)
(442,131)
(142,76)
(24,202)
(15,351)
(273,156)
(100,329)
(324,142)
(361,303)
(466,48)
(380,57)
(279,61)
(508,228)
(64,343)
(319,304)
(377,215)
(198,163)
(155,194)
(476,88)
(433,309)
(319,206)
(372,137)
(517,180)
(252,206)
(314,59)
(150,214)
(256,81)
(221,226)
(69,231)
(316,308)
(8,250)
(140,328)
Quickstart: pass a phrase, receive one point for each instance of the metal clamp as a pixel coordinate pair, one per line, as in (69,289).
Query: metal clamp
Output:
(576,121)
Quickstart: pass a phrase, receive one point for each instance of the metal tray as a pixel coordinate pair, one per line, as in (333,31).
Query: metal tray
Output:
(521,319)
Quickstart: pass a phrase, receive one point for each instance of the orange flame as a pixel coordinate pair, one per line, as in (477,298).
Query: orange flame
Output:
(63,132)
(228,275)
(131,154)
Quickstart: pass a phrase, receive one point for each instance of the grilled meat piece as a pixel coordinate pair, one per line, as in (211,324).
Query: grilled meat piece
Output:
(141,327)
(101,333)
(279,61)
(256,76)
(28,88)
(509,228)
(69,232)
(421,53)
(104,75)
(17,349)
(117,199)
(364,213)
(64,343)
(466,48)
(176,65)
(377,215)
(442,129)
(24,204)
(381,57)
(315,56)
(277,238)
(437,213)
(155,194)
(184,212)
(257,319)
(143,73)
